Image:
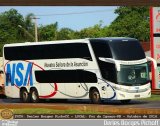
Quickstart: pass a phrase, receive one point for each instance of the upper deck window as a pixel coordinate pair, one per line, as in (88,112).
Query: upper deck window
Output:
(48,51)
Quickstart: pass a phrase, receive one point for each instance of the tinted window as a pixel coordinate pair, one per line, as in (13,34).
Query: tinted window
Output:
(118,49)
(65,76)
(126,50)
(108,70)
(101,49)
(49,51)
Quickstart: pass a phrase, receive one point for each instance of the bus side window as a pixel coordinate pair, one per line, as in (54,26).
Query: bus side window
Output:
(108,71)
(86,77)
(65,76)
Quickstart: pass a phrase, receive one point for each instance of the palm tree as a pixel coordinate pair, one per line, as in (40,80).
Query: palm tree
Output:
(29,25)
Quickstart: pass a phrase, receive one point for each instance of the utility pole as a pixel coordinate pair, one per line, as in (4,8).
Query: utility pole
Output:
(35,28)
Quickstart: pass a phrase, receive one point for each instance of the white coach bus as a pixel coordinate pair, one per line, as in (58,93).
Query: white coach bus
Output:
(96,69)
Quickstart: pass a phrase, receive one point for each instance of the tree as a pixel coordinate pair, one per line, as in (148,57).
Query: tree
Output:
(9,30)
(91,32)
(65,33)
(28,21)
(29,26)
(131,22)
(48,32)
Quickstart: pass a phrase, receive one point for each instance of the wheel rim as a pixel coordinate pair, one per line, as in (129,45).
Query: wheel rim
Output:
(25,95)
(95,96)
(34,95)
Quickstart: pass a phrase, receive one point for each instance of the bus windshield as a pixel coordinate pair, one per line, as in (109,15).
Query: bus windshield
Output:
(133,74)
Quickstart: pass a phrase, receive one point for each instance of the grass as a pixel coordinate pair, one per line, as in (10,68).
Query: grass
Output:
(152,98)
(70,111)
(51,111)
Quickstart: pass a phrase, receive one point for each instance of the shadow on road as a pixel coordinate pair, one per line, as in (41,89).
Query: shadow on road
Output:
(64,101)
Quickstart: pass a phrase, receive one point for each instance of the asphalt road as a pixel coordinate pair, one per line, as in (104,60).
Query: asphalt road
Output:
(133,104)
(114,107)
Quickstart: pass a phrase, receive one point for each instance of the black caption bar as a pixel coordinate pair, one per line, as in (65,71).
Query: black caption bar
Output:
(85,116)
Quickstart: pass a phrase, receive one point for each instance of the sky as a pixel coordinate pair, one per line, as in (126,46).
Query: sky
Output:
(74,17)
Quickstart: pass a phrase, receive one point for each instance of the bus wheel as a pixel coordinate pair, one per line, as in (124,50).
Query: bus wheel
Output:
(95,96)
(34,95)
(125,101)
(24,96)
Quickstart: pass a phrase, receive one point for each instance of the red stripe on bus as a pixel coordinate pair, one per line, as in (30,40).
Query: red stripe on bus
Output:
(30,75)
(16,86)
(46,96)
(52,94)
(56,87)
(35,64)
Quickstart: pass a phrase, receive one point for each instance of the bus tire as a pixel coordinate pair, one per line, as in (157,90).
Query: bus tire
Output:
(34,95)
(125,101)
(95,96)
(24,96)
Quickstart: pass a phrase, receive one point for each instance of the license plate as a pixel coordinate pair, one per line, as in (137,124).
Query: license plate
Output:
(137,96)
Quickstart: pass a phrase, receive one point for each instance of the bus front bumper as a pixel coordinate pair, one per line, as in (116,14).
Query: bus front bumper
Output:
(121,95)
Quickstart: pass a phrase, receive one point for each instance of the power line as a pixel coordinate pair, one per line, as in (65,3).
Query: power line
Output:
(74,13)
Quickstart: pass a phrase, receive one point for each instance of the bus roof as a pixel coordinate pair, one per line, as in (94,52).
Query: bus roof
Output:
(112,39)
(44,42)
(109,39)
